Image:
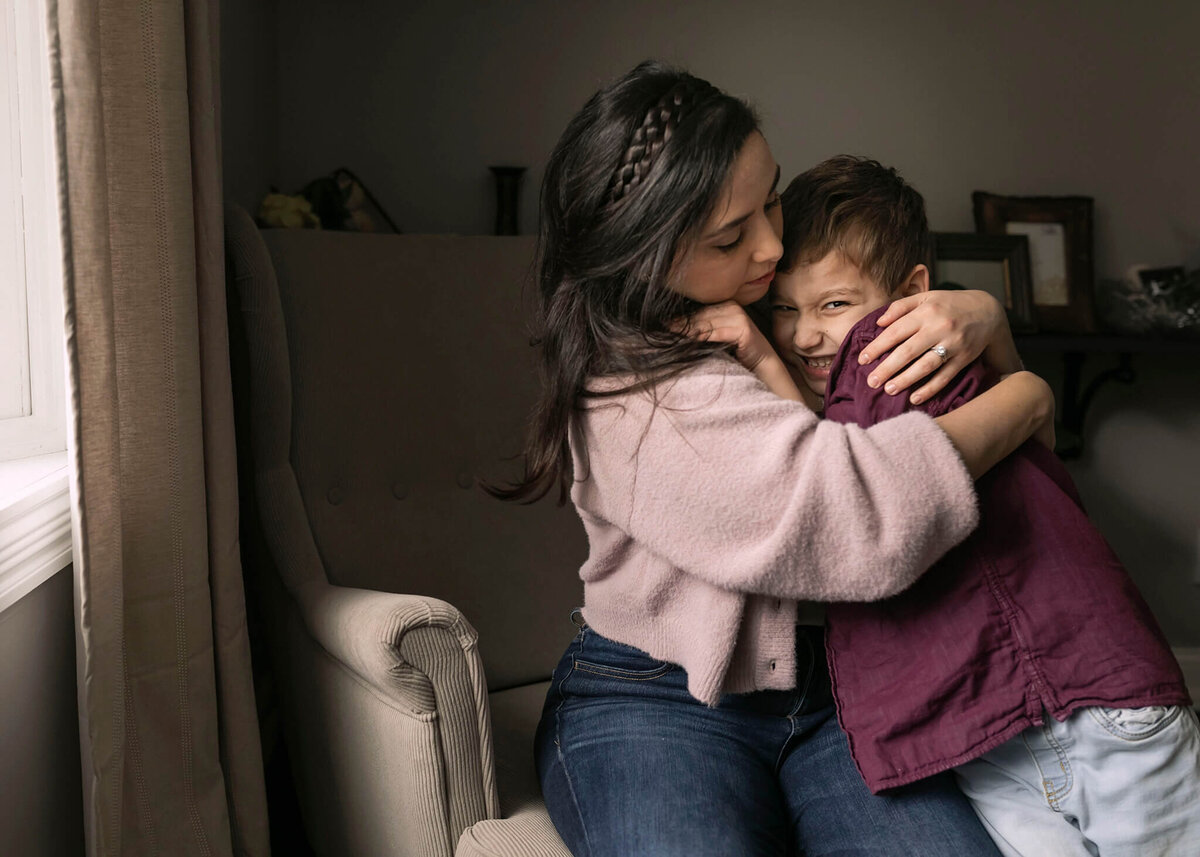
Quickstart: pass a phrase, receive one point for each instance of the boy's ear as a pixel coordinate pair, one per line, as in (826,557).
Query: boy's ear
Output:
(917,281)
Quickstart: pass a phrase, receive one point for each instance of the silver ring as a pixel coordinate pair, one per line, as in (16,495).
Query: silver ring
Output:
(940,351)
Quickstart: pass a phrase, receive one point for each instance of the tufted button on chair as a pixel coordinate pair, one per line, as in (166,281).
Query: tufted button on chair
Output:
(412,620)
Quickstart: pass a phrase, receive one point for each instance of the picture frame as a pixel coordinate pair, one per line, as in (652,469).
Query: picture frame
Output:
(1059,231)
(997,264)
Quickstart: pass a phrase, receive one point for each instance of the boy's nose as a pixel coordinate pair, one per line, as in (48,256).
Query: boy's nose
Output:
(807,336)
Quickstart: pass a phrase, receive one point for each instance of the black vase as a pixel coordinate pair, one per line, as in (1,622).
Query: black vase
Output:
(508,189)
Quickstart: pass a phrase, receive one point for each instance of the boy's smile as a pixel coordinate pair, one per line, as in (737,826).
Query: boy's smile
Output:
(813,307)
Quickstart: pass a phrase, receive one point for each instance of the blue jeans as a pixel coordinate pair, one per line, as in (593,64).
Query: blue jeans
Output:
(631,764)
(1119,782)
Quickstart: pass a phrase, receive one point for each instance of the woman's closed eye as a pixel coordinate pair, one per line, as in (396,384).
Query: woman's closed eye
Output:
(732,245)
(773,201)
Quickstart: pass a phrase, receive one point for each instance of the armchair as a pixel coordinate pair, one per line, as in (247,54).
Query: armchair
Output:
(412,620)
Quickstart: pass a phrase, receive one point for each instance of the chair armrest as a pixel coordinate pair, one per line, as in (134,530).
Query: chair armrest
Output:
(419,655)
(395,642)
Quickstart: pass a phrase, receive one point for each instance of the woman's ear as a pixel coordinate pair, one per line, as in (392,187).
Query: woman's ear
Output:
(917,281)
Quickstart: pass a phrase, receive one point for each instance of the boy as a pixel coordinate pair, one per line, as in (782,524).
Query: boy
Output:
(1025,659)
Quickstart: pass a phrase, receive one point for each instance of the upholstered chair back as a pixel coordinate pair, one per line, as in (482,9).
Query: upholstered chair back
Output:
(409,378)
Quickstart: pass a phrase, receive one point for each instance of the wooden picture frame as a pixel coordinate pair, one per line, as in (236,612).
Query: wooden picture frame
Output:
(997,264)
(1059,230)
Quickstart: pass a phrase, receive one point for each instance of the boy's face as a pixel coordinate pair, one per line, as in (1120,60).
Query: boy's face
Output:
(813,307)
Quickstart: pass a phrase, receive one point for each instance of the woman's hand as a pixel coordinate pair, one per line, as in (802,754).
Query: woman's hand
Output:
(965,323)
(728,322)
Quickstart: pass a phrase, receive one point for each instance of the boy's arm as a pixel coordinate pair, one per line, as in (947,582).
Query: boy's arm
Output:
(728,322)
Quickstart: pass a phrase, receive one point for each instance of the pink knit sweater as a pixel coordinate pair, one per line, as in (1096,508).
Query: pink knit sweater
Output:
(711,514)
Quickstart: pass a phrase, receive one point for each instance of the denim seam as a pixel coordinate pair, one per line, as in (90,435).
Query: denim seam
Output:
(558,749)
(1053,795)
(618,673)
(1112,728)
(812,665)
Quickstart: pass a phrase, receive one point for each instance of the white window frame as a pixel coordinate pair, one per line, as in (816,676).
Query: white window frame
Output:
(35,525)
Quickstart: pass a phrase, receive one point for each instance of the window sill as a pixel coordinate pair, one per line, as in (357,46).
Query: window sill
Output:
(35,524)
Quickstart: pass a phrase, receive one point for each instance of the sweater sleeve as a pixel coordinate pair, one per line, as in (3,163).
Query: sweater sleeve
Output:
(752,493)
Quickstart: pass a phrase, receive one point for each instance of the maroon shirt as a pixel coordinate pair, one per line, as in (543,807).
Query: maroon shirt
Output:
(1032,611)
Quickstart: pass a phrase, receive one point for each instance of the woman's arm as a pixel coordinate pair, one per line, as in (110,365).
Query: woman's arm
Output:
(717,477)
(967,323)
(996,422)
(984,430)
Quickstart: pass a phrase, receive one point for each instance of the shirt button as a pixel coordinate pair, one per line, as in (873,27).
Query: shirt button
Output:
(772,666)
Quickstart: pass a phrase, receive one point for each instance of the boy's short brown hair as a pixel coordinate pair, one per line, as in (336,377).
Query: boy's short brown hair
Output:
(862,209)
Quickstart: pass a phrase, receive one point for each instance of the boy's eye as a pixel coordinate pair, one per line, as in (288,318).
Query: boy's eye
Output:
(782,308)
(836,304)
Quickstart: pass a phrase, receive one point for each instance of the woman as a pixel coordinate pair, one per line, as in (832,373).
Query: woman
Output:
(691,714)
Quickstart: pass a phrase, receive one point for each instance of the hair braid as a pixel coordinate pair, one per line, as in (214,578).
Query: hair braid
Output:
(606,251)
(656,129)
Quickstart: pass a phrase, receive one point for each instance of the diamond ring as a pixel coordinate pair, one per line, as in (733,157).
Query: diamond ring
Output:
(940,351)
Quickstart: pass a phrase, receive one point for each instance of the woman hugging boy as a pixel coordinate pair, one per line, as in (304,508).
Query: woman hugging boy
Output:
(1025,659)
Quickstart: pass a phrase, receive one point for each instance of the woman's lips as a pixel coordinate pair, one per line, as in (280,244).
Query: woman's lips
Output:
(764,280)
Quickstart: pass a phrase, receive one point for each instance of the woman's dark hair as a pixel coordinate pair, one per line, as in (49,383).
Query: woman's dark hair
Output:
(633,179)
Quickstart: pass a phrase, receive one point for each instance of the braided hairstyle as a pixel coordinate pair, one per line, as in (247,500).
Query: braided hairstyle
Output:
(631,182)
(656,129)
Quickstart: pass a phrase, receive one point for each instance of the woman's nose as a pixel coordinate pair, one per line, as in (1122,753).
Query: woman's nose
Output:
(768,247)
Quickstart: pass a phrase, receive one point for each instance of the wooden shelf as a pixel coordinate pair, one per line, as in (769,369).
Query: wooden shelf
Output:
(1073,403)
(1104,343)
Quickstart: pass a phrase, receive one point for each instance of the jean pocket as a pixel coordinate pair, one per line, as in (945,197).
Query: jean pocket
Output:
(601,656)
(1135,724)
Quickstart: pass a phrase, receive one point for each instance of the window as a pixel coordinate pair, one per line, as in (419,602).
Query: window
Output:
(34,509)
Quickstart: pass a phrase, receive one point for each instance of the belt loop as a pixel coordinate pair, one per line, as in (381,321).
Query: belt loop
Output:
(577,618)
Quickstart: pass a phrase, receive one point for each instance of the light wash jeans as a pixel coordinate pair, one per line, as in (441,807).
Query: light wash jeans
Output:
(1107,782)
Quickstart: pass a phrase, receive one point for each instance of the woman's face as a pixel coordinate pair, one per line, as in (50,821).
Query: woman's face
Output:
(734,255)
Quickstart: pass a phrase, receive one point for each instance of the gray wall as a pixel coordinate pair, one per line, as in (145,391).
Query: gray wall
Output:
(249,90)
(420,97)
(41,792)
(1019,98)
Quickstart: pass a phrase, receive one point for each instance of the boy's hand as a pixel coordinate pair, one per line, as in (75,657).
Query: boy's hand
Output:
(962,322)
(728,322)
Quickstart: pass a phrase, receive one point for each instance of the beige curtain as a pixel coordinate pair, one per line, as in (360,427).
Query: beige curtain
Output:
(171,759)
